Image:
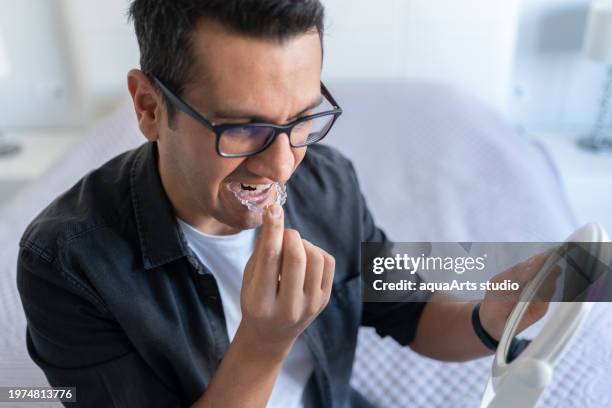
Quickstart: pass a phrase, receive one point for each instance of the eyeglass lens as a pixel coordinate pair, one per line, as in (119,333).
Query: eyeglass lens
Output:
(248,138)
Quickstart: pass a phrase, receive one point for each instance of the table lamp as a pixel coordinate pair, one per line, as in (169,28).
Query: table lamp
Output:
(598,46)
(6,147)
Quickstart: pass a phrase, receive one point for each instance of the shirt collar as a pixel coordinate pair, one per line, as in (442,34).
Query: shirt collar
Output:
(161,241)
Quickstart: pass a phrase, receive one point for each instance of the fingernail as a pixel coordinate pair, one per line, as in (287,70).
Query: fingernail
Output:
(275,210)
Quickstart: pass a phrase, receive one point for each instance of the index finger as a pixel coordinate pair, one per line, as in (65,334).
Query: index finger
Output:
(270,239)
(524,272)
(521,273)
(266,257)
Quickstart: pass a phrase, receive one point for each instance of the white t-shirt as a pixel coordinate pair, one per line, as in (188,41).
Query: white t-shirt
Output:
(226,256)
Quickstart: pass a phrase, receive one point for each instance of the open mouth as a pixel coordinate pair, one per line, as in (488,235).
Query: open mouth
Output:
(254,189)
(256,197)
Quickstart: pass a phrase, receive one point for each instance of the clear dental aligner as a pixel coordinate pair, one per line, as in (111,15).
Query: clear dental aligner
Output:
(281,198)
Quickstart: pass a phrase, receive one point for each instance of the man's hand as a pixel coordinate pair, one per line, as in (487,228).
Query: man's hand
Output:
(497,306)
(445,329)
(287,283)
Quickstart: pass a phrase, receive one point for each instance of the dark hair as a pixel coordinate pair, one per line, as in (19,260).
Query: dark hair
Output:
(164,29)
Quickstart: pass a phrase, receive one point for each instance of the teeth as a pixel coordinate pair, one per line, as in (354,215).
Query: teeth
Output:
(256,187)
(253,193)
(281,197)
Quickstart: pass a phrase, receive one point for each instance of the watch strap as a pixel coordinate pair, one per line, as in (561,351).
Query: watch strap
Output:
(482,334)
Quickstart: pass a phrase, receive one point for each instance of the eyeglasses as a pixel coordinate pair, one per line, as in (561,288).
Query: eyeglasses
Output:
(242,140)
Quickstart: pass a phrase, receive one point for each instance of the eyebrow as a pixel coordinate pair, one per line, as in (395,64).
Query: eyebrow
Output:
(255,117)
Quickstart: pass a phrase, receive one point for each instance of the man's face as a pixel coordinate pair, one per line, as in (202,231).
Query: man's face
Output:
(243,79)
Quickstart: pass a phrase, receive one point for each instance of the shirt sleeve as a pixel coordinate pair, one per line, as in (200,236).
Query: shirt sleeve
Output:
(76,342)
(396,319)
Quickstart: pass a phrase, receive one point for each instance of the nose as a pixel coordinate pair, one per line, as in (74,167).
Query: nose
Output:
(276,162)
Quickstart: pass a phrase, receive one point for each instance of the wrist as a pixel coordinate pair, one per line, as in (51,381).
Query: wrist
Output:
(485,337)
(249,343)
(490,320)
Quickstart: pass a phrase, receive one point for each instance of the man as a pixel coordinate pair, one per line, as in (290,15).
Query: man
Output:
(171,276)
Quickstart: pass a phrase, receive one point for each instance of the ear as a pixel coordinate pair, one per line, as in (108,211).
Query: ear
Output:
(147,104)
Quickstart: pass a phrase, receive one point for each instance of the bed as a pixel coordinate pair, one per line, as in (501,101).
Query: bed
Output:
(434,165)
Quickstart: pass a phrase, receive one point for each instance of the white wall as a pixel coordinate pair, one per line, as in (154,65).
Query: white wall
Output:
(439,40)
(39,89)
(104,47)
(469,43)
(555,86)
(531,68)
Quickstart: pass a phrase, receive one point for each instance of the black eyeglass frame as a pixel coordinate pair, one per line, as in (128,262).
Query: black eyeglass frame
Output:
(278,129)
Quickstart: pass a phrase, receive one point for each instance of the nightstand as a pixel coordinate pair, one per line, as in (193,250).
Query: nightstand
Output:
(587,176)
(40,148)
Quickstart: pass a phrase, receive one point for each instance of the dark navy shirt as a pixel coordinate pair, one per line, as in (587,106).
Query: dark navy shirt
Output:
(119,306)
